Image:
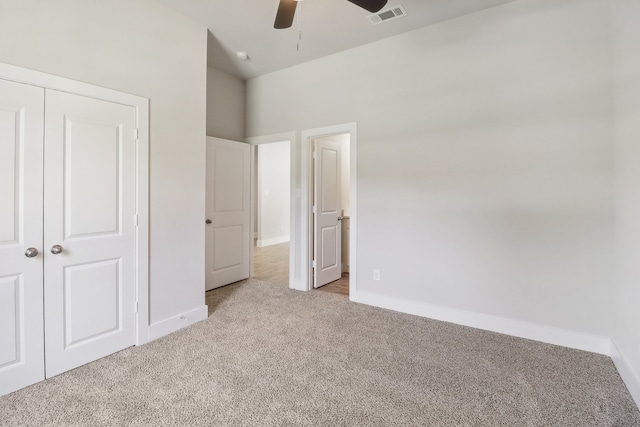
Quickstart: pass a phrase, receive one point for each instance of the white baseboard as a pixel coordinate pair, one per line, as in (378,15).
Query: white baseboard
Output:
(273,241)
(517,328)
(297,285)
(172,324)
(628,375)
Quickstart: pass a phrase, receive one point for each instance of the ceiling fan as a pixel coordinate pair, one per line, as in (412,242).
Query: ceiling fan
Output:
(287,10)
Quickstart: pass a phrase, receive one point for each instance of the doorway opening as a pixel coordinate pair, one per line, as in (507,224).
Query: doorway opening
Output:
(271,211)
(310,198)
(301,252)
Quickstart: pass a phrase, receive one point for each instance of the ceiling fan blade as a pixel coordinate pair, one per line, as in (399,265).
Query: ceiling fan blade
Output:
(286,12)
(371,5)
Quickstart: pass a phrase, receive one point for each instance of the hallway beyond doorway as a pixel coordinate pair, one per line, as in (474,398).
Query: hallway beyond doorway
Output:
(271,263)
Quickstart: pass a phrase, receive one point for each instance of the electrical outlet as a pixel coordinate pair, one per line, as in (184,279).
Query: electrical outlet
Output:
(376,274)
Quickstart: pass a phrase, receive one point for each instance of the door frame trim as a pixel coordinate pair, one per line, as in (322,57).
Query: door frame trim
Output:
(141,105)
(306,217)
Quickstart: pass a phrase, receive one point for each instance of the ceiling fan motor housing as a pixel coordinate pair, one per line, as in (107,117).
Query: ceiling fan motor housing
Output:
(370,5)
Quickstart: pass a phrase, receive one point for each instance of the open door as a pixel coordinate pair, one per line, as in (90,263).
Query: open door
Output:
(327,230)
(228,212)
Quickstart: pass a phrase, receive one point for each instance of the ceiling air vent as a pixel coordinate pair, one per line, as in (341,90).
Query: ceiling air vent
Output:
(388,14)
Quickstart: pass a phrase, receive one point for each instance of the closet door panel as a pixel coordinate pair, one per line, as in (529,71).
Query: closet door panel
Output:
(21,329)
(89,229)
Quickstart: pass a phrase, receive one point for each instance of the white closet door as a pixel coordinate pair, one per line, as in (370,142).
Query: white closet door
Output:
(89,229)
(327,232)
(21,343)
(228,234)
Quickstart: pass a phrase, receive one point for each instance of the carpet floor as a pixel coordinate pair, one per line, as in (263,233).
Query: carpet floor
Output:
(270,356)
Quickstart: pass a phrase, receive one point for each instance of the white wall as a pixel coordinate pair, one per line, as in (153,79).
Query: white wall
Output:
(143,48)
(484,159)
(274,192)
(225,105)
(626,61)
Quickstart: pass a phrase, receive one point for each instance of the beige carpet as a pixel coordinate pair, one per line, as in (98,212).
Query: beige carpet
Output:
(269,356)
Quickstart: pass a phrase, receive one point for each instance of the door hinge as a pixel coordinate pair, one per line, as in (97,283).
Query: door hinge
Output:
(314,154)
(135,220)
(313,264)
(136,133)
(136,307)
(314,209)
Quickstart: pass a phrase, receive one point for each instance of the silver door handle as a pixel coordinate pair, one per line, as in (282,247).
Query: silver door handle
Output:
(56,249)
(208,221)
(31,252)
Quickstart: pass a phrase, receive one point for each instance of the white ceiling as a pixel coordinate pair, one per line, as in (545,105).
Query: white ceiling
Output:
(328,26)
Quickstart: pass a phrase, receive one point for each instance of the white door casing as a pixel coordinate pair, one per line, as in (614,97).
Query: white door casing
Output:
(21,309)
(228,235)
(22,334)
(90,212)
(327,228)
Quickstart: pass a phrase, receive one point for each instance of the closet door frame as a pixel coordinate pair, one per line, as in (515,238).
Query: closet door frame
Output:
(141,105)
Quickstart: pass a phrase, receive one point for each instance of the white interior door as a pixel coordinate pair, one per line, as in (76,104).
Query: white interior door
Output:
(228,213)
(21,327)
(327,233)
(89,229)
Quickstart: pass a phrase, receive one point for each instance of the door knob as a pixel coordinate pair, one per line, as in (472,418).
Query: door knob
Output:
(56,249)
(208,221)
(31,252)
(340,218)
